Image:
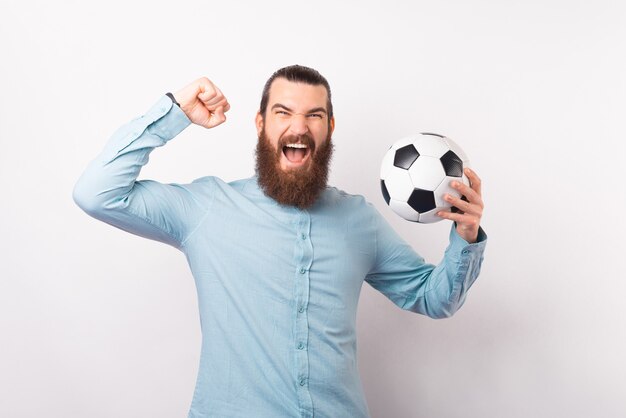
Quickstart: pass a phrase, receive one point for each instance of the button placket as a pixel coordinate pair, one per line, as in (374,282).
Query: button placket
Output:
(304,258)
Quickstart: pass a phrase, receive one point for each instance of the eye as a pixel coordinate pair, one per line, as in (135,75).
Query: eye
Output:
(315,115)
(281,112)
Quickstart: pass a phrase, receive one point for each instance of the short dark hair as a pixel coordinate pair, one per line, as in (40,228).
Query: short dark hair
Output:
(298,74)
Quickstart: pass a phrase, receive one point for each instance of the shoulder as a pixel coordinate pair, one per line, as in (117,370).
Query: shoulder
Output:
(205,187)
(336,194)
(214,181)
(341,199)
(217,186)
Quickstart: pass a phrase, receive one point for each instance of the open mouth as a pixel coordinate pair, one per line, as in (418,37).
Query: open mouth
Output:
(296,153)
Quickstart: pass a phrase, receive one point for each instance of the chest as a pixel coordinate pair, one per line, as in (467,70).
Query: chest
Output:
(278,254)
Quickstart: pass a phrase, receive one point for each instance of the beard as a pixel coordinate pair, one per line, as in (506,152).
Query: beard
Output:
(300,186)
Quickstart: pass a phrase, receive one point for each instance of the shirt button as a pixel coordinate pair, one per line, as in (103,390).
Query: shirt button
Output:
(301,309)
(303,236)
(302,381)
(302,270)
(300,346)
(465,252)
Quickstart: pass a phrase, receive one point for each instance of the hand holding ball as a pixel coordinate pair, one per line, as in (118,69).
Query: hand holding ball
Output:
(416,173)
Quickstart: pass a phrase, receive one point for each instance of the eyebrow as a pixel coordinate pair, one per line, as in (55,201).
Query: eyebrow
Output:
(316,109)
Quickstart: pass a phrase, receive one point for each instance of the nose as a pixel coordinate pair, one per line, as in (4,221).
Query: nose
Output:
(298,124)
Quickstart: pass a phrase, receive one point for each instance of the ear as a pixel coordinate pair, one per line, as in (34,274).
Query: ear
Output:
(332,125)
(258,121)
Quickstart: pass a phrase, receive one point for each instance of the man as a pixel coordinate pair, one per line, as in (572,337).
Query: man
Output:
(279,258)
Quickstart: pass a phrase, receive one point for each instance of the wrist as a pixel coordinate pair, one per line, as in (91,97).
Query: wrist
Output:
(171,96)
(468,234)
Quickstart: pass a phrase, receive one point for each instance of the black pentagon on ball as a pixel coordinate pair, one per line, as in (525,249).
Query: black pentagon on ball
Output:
(422,200)
(452,164)
(405,156)
(383,188)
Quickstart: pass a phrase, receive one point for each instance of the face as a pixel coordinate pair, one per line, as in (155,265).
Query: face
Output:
(294,148)
(294,112)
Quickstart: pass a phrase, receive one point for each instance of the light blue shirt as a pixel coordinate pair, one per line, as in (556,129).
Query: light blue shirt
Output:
(277,287)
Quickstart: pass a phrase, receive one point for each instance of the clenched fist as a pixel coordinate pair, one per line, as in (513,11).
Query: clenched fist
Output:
(203,103)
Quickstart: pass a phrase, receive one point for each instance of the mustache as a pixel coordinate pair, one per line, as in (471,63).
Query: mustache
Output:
(305,139)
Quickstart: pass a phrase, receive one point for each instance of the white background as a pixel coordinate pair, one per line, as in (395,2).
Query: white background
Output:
(95,322)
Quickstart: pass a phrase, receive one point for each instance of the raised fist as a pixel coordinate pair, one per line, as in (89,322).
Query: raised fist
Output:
(203,103)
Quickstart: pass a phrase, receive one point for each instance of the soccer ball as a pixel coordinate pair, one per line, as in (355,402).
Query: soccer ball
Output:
(417,171)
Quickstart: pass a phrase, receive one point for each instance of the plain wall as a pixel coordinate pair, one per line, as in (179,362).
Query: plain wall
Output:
(95,322)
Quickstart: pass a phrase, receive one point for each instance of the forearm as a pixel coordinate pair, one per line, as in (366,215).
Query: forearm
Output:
(109,179)
(450,281)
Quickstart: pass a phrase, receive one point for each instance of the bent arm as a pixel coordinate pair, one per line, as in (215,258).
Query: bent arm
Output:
(108,189)
(414,285)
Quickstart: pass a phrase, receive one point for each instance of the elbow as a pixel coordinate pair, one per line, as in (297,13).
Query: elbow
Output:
(84,199)
(90,201)
(443,310)
(442,313)
(433,307)
(445,302)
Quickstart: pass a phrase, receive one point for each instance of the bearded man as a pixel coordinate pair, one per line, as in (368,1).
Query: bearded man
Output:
(279,258)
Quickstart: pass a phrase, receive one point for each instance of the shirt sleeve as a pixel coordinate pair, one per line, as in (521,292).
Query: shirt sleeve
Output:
(414,285)
(108,190)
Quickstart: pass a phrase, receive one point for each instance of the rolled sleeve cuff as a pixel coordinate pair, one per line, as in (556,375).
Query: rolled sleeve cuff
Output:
(458,245)
(169,120)
(163,121)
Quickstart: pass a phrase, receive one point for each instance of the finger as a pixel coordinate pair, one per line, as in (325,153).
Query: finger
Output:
(222,104)
(217,117)
(215,100)
(463,205)
(218,91)
(209,92)
(459,218)
(222,99)
(466,191)
(475,181)
(454,209)
(445,214)
(207,95)
(206,88)
(218,101)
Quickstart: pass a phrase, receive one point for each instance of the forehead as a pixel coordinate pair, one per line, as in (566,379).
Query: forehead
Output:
(299,96)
